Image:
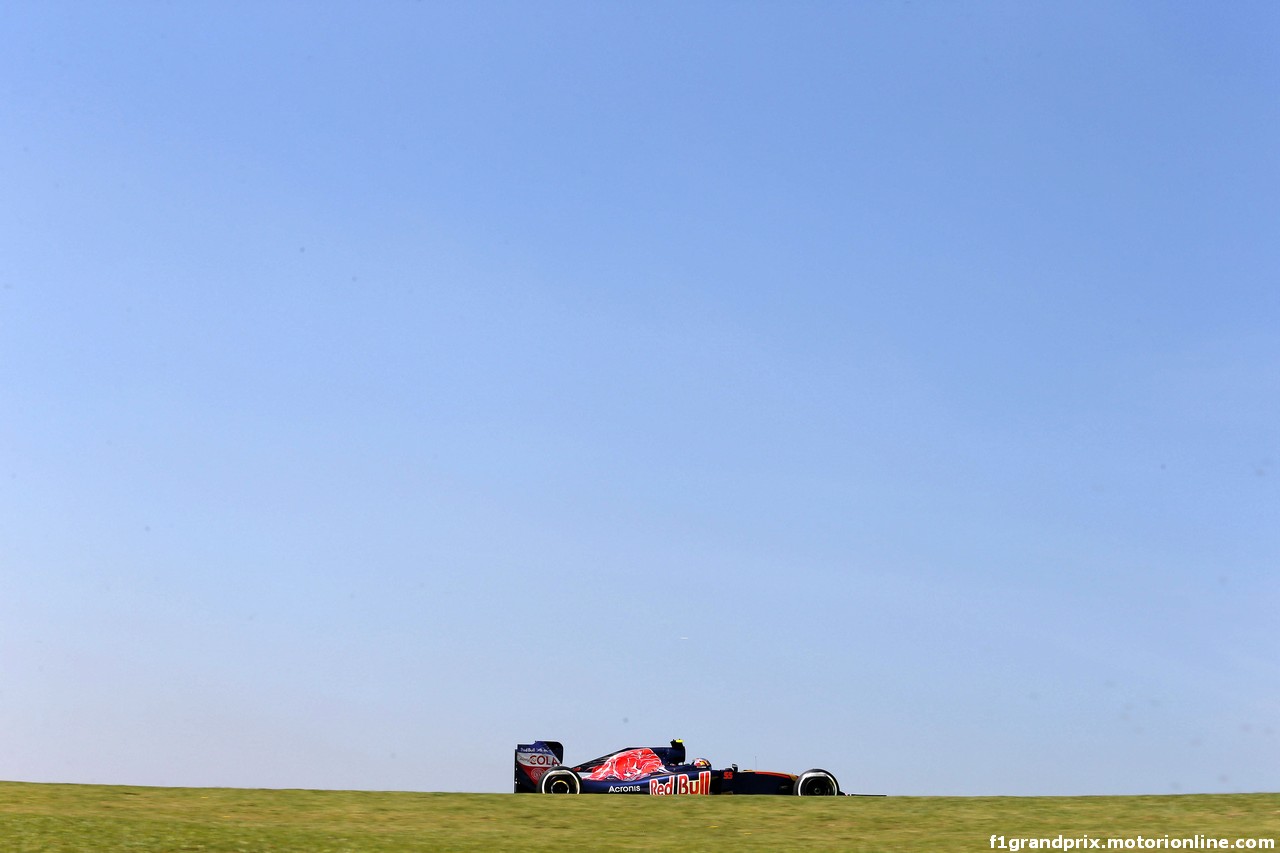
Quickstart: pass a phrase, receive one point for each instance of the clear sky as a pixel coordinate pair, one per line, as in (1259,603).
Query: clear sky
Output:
(891,387)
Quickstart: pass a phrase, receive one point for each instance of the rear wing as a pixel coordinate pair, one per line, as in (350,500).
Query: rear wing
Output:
(534,759)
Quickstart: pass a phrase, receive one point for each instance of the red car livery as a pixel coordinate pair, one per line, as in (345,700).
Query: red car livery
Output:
(627,765)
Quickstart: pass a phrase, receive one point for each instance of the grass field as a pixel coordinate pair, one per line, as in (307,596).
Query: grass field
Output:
(107,819)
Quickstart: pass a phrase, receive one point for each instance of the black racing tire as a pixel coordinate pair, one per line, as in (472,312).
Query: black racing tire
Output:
(559,780)
(817,783)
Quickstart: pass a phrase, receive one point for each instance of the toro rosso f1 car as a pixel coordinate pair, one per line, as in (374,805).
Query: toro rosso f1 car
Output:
(657,770)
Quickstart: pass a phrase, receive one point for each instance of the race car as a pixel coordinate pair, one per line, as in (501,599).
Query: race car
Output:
(656,770)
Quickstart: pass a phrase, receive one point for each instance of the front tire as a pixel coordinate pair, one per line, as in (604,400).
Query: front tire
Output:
(817,783)
(559,780)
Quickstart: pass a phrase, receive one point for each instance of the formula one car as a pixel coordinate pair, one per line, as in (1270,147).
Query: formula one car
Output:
(657,770)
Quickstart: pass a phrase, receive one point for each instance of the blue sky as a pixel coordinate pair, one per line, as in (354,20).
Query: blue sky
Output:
(887,387)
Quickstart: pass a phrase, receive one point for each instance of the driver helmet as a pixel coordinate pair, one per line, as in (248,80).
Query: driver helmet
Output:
(702,764)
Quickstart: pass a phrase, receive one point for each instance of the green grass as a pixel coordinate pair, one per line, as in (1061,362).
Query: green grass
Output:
(107,819)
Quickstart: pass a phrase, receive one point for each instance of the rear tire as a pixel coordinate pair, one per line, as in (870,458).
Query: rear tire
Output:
(817,783)
(559,780)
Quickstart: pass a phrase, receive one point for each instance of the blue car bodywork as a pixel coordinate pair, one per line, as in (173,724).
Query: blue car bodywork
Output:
(656,771)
